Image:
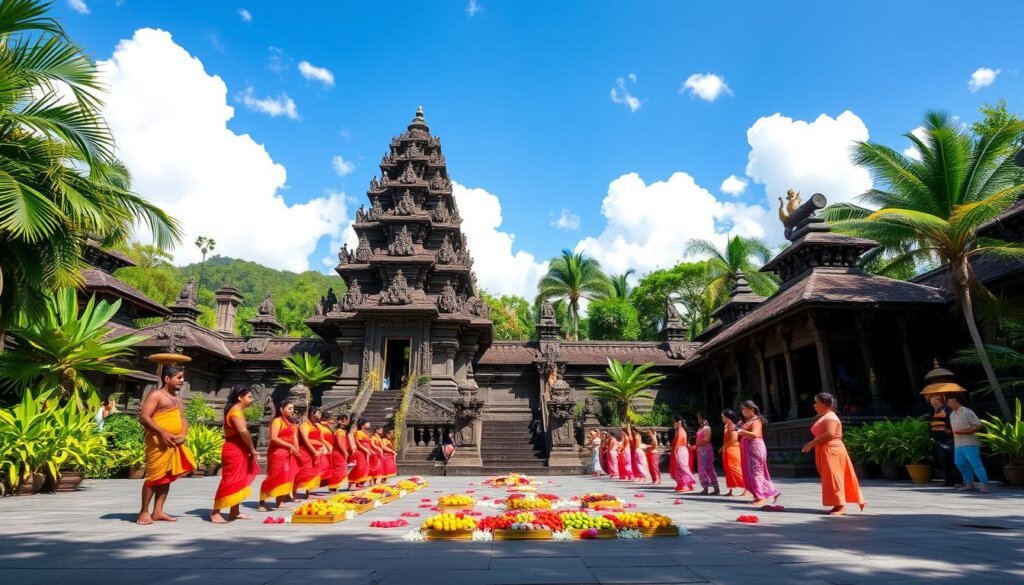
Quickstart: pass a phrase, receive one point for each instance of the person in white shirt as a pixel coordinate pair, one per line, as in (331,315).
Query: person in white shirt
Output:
(108,408)
(966,445)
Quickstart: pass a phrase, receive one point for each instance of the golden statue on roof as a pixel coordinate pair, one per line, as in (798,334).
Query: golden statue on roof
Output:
(791,204)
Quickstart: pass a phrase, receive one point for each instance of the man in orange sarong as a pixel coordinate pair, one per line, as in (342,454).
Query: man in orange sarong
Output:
(238,458)
(167,457)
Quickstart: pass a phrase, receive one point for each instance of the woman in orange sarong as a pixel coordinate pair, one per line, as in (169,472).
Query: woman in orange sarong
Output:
(390,455)
(340,455)
(238,458)
(327,442)
(360,473)
(376,456)
(839,485)
(731,453)
(281,458)
(310,448)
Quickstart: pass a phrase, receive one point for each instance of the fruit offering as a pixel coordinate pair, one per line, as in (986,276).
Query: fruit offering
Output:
(597,497)
(385,490)
(584,521)
(320,508)
(352,499)
(528,503)
(448,522)
(461,500)
(512,479)
(407,485)
(638,520)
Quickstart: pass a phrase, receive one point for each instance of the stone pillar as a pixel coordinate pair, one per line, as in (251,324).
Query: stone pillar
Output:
(759,356)
(228,299)
(876,405)
(562,436)
(793,409)
(468,426)
(913,375)
(824,365)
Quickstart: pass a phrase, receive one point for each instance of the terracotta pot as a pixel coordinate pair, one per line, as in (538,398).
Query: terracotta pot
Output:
(137,472)
(69,481)
(893,472)
(1014,475)
(920,472)
(30,486)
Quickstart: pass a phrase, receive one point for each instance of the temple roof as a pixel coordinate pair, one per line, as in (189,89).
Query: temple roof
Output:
(99,281)
(185,335)
(584,353)
(835,287)
(1013,215)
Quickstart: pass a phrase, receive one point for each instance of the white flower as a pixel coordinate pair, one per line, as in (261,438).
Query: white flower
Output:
(561,504)
(683,531)
(377,504)
(350,514)
(628,533)
(561,535)
(482,535)
(414,536)
(402,493)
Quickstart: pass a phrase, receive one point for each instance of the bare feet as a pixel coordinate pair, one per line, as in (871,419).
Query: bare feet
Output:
(776,498)
(759,503)
(161,517)
(216,518)
(263,508)
(240,517)
(144,519)
(837,511)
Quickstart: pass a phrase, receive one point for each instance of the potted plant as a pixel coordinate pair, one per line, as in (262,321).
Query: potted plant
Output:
(917,450)
(856,440)
(27,436)
(77,447)
(792,464)
(1006,440)
(205,443)
(131,459)
(882,443)
(126,439)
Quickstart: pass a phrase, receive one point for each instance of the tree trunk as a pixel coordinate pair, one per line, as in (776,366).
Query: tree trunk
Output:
(968,307)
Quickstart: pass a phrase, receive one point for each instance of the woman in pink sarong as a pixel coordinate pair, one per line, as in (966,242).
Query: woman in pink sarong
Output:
(613,456)
(625,457)
(754,456)
(706,457)
(679,463)
(640,472)
(654,457)
(606,461)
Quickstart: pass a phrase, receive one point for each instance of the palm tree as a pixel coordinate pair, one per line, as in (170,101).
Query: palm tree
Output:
(205,246)
(620,284)
(59,181)
(740,254)
(927,212)
(306,369)
(625,385)
(572,277)
(60,349)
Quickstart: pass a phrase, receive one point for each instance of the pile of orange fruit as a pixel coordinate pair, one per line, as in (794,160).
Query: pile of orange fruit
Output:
(639,520)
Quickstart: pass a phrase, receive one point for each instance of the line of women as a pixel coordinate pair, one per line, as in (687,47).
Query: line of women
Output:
(305,453)
(632,455)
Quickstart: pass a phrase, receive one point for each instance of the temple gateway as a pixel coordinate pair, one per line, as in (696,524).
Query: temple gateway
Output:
(412,337)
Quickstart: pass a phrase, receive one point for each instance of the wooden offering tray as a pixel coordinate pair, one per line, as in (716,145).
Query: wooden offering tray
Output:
(671,530)
(522,535)
(603,533)
(448,534)
(318,519)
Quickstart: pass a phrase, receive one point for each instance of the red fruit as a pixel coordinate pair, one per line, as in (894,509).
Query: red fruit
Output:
(425,500)
(639,495)
(677,502)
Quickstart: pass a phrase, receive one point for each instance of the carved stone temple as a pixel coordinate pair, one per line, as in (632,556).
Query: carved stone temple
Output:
(412,338)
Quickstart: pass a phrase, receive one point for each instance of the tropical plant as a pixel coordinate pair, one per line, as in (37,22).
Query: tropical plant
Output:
(77,444)
(27,440)
(306,369)
(572,277)
(684,284)
(620,284)
(889,442)
(205,443)
(855,439)
(197,410)
(740,254)
(626,384)
(205,245)
(927,212)
(660,415)
(126,441)
(1008,357)
(60,184)
(613,318)
(1005,438)
(511,315)
(253,413)
(61,347)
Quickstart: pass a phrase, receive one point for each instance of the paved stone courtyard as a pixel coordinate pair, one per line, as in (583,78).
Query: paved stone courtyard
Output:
(908,534)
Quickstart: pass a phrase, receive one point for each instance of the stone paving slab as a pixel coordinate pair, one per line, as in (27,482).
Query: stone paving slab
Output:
(909,534)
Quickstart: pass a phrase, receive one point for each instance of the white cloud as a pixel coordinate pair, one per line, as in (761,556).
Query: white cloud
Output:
(245,15)
(499,270)
(341,166)
(273,107)
(811,157)
(621,95)
(79,6)
(648,225)
(733,185)
(321,74)
(911,151)
(171,118)
(472,8)
(707,86)
(567,221)
(982,77)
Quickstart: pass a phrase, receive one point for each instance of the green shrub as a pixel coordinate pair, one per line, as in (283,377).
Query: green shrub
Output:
(1005,439)
(197,411)
(897,442)
(253,413)
(124,429)
(613,318)
(205,443)
(659,416)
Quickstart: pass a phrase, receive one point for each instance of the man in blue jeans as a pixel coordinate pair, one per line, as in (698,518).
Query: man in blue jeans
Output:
(967,452)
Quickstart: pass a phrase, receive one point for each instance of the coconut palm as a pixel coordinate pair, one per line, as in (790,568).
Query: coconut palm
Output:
(740,254)
(59,181)
(58,350)
(620,284)
(572,277)
(205,245)
(927,212)
(626,384)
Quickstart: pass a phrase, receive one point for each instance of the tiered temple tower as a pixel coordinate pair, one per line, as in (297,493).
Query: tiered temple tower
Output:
(412,307)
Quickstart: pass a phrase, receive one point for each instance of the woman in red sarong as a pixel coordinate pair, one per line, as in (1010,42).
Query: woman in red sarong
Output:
(238,458)
(654,458)
(281,454)
(310,448)
(390,455)
(360,474)
(376,456)
(340,455)
(327,442)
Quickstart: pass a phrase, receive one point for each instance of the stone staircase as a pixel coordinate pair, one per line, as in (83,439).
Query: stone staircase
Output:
(512,445)
(381,406)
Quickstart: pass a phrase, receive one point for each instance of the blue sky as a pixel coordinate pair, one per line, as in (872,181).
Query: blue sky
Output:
(522,95)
